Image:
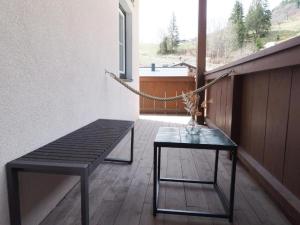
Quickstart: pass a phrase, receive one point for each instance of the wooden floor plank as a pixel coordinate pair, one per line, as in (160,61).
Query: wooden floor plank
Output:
(133,204)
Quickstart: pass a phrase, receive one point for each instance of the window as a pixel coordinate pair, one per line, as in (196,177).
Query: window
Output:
(122,43)
(125,40)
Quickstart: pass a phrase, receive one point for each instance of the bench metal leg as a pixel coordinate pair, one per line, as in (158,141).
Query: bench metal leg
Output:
(13,195)
(131,152)
(84,180)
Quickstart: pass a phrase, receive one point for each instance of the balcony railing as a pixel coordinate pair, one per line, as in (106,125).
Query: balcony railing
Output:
(259,108)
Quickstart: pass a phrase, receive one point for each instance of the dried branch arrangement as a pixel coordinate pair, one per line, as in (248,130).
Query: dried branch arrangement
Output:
(191,105)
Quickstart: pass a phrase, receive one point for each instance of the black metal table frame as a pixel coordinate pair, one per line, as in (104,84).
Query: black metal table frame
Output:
(81,170)
(227,205)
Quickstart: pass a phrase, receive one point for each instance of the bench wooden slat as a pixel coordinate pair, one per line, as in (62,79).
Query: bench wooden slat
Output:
(58,161)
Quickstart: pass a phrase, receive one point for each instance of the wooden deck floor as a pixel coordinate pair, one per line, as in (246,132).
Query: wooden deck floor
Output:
(122,194)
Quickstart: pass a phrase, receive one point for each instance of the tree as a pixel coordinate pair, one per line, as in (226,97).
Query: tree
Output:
(258,19)
(173,34)
(237,20)
(164,46)
(284,2)
(170,41)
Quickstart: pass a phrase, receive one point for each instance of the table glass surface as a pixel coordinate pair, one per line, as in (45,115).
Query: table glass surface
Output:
(207,136)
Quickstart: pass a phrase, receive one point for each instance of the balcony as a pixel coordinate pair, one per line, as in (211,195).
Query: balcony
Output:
(51,87)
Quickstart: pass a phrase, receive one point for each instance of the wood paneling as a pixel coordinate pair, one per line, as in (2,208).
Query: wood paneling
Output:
(229,105)
(218,103)
(246,111)
(234,126)
(223,104)
(165,87)
(211,106)
(260,92)
(277,118)
(292,157)
(219,109)
(262,114)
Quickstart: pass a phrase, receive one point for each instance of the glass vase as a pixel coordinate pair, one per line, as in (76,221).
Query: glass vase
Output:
(192,128)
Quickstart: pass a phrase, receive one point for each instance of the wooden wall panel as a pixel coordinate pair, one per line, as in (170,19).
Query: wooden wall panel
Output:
(223,111)
(220,108)
(211,98)
(262,114)
(229,106)
(165,87)
(217,102)
(209,105)
(246,111)
(292,157)
(277,118)
(259,91)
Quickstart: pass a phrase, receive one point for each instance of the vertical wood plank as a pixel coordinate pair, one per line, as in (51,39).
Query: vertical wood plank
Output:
(277,118)
(260,91)
(223,104)
(236,128)
(229,106)
(291,176)
(247,97)
(212,103)
(217,102)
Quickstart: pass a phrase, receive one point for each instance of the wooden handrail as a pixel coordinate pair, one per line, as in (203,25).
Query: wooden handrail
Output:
(282,55)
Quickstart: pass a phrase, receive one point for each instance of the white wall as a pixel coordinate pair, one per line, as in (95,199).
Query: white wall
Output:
(53,56)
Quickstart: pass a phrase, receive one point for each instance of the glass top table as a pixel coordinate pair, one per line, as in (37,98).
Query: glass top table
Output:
(207,139)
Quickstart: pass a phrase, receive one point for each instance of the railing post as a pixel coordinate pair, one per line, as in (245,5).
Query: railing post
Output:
(201,55)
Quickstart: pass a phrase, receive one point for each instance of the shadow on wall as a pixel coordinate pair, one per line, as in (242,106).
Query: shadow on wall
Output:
(48,190)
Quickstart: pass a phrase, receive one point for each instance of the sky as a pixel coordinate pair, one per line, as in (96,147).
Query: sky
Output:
(155,16)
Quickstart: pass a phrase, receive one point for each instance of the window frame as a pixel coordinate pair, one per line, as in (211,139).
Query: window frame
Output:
(122,73)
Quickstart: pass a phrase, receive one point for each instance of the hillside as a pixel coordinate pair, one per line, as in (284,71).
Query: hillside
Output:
(149,54)
(286,20)
(285,25)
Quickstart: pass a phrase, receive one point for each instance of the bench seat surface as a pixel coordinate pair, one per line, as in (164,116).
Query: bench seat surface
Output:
(88,145)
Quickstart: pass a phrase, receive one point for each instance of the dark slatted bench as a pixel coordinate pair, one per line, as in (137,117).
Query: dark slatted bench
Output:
(78,153)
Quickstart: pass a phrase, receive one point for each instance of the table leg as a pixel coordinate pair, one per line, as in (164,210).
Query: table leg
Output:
(84,198)
(232,185)
(13,195)
(216,167)
(154,181)
(159,163)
